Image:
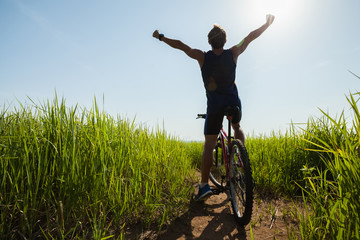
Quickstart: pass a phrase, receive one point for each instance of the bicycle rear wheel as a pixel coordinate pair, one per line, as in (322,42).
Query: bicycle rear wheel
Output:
(218,171)
(241,183)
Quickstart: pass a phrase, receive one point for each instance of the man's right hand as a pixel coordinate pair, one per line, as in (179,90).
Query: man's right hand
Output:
(156,34)
(269,19)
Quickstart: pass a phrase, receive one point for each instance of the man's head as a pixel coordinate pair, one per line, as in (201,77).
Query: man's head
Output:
(217,37)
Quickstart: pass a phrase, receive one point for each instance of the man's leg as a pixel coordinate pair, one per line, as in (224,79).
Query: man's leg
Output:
(207,157)
(212,128)
(238,132)
(206,162)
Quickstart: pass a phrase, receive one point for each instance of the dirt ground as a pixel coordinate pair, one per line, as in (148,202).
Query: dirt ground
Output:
(213,219)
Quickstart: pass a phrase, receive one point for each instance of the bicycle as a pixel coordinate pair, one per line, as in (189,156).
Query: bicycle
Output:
(231,173)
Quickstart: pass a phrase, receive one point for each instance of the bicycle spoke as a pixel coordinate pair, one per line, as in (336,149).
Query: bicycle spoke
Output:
(240,194)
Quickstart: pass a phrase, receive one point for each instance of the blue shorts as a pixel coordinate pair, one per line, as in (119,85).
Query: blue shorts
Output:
(213,122)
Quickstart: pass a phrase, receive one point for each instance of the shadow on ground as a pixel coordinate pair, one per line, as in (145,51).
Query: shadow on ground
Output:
(211,219)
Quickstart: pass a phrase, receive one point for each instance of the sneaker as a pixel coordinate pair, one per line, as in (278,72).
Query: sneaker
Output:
(203,193)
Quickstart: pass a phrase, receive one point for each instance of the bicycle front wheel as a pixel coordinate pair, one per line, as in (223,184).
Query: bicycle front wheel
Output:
(241,183)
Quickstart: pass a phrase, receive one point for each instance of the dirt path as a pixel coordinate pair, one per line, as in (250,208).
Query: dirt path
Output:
(213,219)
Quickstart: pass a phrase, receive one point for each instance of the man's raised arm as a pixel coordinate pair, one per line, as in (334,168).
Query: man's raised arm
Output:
(240,48)
(177,44)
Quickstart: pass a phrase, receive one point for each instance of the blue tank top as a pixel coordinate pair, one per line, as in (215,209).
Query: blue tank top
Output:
(218,73)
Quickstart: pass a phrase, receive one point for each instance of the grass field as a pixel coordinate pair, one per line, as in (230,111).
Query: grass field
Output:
(72,173)
(320,161)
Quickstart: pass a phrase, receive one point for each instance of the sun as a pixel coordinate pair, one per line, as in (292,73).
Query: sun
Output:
(285,11)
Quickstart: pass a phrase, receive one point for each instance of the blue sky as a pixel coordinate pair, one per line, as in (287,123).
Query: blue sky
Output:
(104,49)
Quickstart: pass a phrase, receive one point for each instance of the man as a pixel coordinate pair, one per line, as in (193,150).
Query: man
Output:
(218,72)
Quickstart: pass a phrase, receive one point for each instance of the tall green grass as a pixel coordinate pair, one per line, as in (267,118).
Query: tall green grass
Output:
(321,162)
(280,162)
(332,192)
(70,173)
(276,162)
(74,173)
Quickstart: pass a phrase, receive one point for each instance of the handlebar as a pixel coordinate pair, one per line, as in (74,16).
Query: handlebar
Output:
(201,116)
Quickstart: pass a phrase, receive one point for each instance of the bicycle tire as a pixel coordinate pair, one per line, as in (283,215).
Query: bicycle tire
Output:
(218,171)
(241,183)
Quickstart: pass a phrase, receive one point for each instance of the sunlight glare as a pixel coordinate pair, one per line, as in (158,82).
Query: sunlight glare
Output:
(285,11)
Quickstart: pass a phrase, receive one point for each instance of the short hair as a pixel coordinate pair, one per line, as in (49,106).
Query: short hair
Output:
(217,37)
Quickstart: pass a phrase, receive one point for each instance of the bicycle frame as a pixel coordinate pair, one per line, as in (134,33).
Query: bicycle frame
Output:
(226,153)
(225,141)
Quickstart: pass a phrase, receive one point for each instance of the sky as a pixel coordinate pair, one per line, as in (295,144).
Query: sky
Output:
(87,49)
